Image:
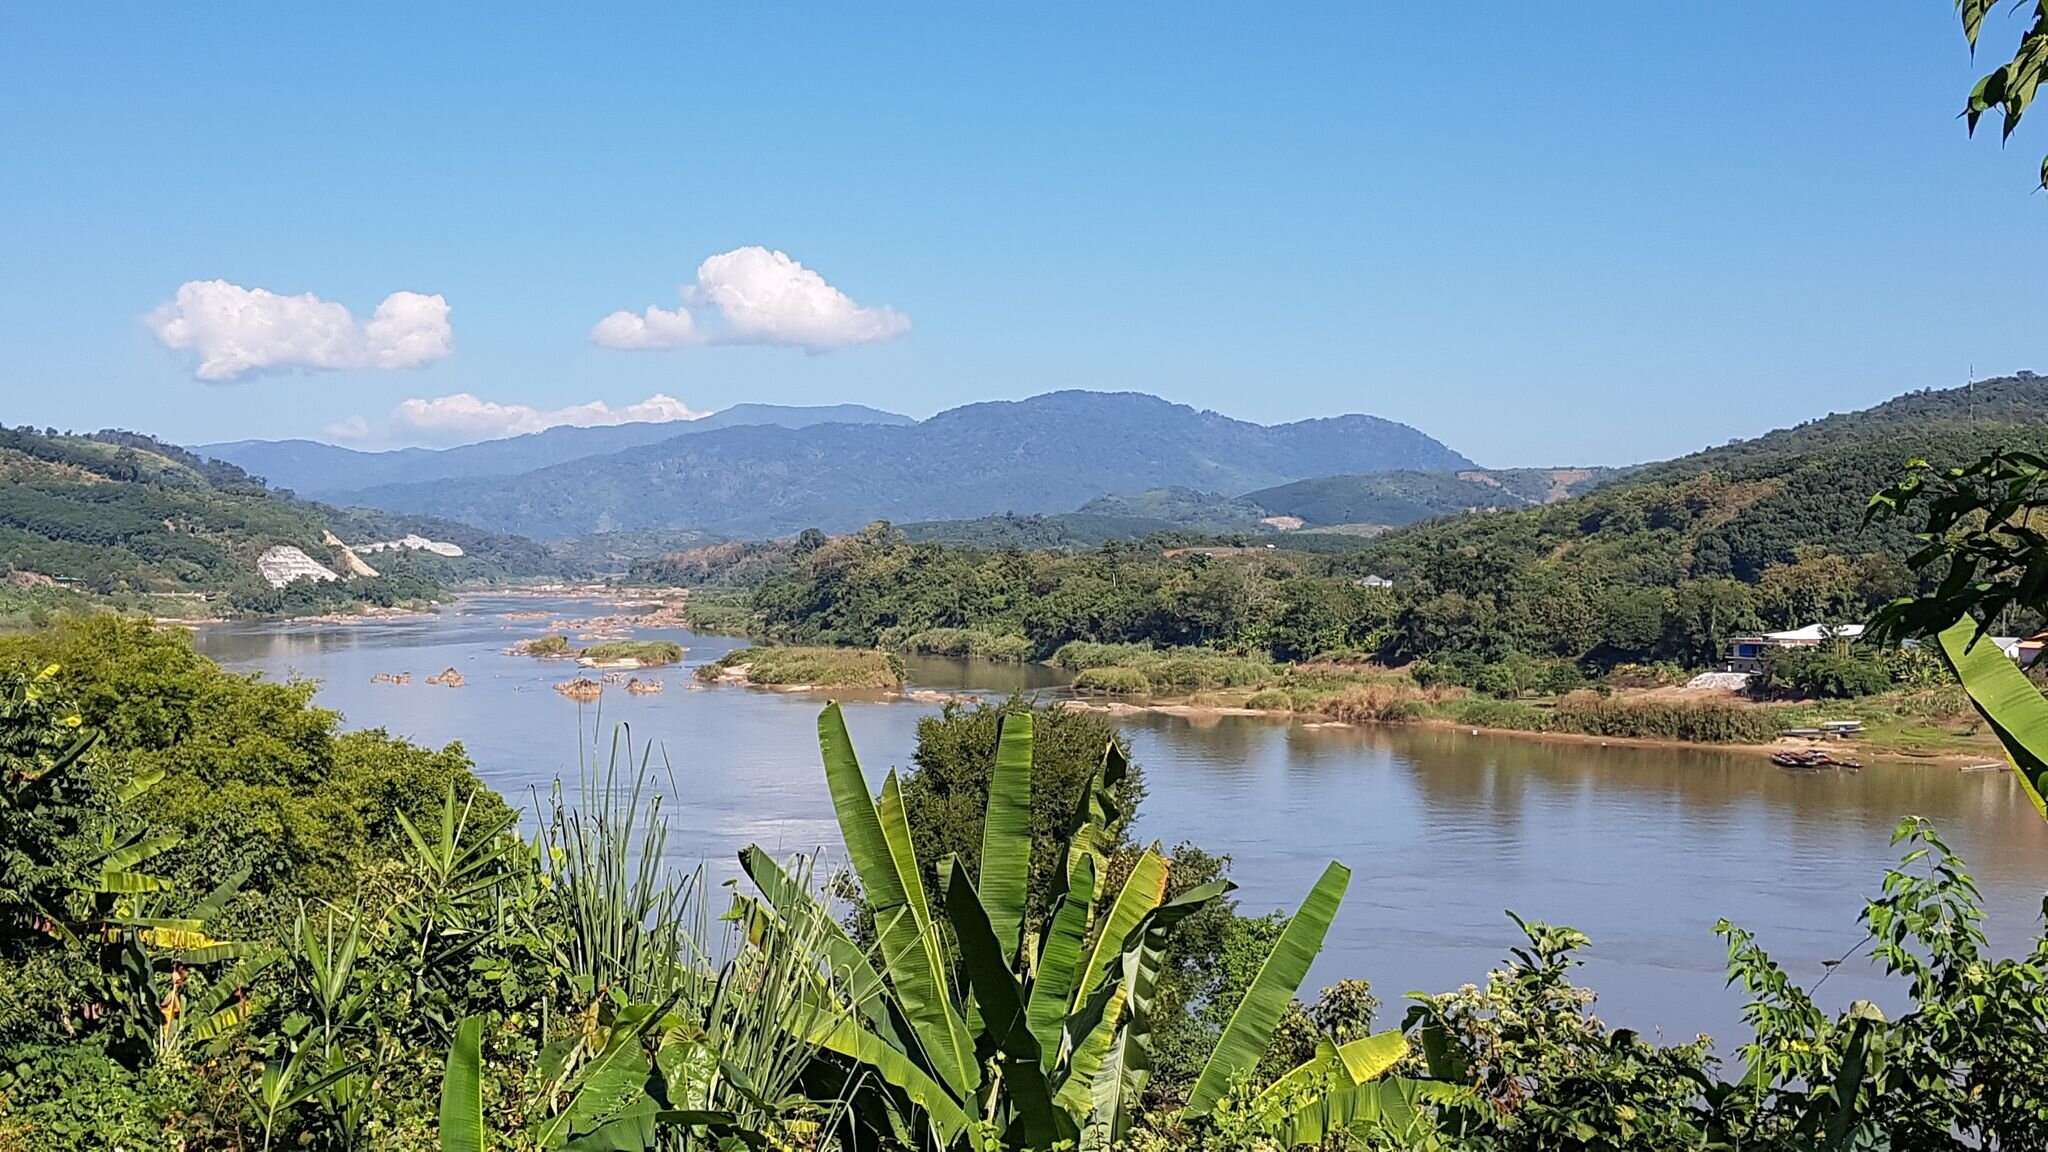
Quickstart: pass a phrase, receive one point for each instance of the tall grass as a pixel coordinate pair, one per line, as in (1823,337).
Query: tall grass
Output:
(630,917)
(1590,714)
(643,932)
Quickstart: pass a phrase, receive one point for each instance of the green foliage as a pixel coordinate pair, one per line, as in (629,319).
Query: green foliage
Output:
(1535,1069)
(650,653)
(813,667)
(1821,673)
(966,642)
(2010,87)
(134,521)
(255,778)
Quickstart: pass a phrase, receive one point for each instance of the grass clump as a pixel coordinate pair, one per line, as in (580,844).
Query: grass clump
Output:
(650,653)
(1113,681)
(1374,703)
(812,667)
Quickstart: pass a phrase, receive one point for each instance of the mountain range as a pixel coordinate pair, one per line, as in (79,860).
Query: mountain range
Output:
(783,470)
(312,468)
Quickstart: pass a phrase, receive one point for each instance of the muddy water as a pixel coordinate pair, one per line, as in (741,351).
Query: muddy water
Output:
(1641,848)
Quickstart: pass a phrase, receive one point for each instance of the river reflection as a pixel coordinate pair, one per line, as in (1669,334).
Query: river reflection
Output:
(1641,848)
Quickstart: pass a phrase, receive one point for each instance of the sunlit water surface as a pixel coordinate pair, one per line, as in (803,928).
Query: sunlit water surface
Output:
(1643,849)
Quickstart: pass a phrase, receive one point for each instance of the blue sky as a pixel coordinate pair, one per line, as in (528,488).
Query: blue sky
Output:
(1546,234)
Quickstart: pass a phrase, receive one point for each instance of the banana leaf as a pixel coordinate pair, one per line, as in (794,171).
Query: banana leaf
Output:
(1141,893)
(846,1037)
(1394,1106)
(1331,1069)
(879,850)
(2016,709)
(1251,1026)
(1006,835)
(462,1090)
(1059,958)
(1002,1008)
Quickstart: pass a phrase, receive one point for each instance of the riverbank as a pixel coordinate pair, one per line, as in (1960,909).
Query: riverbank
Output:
(1926,726)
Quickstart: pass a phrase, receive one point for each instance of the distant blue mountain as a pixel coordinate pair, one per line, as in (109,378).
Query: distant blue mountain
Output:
(1049,453)
(313,468)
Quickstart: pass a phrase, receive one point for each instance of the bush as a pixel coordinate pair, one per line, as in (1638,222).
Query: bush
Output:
(1518,675)
(718,615)
(554,645)
(1506,714)
(1821,674)
(1113,681)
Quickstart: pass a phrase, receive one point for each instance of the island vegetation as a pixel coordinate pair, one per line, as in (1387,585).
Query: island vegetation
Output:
(634,653)
(795,666)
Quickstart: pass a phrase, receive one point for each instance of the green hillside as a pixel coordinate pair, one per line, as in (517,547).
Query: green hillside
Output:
(122,517)
(1391,499)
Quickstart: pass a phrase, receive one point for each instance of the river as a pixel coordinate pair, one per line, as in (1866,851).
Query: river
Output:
(1642,848)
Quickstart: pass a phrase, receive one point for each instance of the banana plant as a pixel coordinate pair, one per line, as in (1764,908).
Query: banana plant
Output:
(1034,1039)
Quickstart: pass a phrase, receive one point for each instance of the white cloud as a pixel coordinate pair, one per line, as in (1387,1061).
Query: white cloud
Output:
(754,296)
(236,331)
(463,418)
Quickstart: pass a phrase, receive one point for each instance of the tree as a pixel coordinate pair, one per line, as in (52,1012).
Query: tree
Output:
(2011,86)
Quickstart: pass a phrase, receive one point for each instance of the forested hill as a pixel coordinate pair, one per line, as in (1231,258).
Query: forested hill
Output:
(1049,453)
(1737,511)
(122,514)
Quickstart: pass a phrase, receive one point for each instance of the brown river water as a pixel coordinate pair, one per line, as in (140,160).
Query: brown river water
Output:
(1641,848)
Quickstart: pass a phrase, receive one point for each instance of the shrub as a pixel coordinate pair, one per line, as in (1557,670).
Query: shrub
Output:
(1076,655)
(1506,714)
(552,645)
(1518,675)
(1113,681)
(1821,673)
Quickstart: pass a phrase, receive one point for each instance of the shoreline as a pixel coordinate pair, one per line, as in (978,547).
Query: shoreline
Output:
(1988,756)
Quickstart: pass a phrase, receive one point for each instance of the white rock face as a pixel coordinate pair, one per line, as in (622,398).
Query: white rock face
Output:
(413,542)
(283,564)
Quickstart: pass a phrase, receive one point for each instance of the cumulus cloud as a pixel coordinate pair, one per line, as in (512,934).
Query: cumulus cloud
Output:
(754,296)
(236,331)
(462,418)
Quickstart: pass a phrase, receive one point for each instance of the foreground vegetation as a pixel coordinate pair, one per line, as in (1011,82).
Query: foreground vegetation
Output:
(386,963)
